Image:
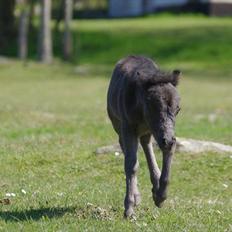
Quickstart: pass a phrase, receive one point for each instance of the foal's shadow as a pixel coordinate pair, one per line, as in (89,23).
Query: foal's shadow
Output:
(35,214)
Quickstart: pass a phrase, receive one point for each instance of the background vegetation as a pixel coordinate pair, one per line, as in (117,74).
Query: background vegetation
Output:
(53,118)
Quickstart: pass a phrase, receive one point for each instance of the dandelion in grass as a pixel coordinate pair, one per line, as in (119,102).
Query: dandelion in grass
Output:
(23,191)
(10,195)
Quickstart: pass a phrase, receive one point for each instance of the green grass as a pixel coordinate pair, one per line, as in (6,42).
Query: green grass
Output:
(54,117)
(175,39)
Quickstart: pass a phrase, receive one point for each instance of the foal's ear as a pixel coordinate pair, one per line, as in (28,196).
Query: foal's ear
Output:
(176,74)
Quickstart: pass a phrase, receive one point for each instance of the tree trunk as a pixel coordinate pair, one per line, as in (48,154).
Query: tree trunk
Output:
(60,15)
(45,38)
(23,31)
(31,15)
(67,41)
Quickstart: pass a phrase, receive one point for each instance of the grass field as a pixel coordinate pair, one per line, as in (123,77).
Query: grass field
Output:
(53,118)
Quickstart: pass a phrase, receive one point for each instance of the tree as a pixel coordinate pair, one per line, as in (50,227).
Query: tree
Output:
(31,15)
(23,29)
(67,40)
(45,37)
(59,14)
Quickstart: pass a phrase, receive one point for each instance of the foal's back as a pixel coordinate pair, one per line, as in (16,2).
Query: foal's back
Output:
(122,94)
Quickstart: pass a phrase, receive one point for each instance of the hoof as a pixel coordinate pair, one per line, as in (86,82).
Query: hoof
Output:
(159,204)
(159,201)
(128,213)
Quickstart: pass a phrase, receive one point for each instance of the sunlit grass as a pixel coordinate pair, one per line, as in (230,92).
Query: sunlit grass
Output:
(52,120)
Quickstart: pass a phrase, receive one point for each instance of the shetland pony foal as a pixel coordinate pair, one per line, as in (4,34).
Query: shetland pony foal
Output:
(143,102)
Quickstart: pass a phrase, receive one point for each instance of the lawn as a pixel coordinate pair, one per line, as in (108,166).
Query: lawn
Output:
(54,117)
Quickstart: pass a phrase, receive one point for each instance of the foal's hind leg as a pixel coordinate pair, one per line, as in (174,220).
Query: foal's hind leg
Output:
(152,164)
(129,143)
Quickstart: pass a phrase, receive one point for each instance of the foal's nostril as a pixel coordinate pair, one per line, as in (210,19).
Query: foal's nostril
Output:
(168,142)
(164,142)
(173,141)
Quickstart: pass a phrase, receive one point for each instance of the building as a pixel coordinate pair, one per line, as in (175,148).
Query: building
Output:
(130,8)
(219,7)
(125,8)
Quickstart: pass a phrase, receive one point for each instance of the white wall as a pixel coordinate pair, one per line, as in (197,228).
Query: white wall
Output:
(167,3)
(118,8)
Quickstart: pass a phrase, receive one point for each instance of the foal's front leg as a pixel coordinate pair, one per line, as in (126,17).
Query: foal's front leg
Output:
(161,194)
(130,147)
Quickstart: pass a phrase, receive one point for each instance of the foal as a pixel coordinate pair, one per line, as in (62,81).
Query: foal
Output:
(143,102)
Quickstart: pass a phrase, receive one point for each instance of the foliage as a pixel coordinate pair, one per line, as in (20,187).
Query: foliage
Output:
(7,27)
(192,42)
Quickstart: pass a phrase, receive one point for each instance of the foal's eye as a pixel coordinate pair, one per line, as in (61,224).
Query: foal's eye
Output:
(178,110)
(170,111)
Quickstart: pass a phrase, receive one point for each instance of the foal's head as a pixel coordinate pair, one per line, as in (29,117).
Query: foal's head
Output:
(162,104)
